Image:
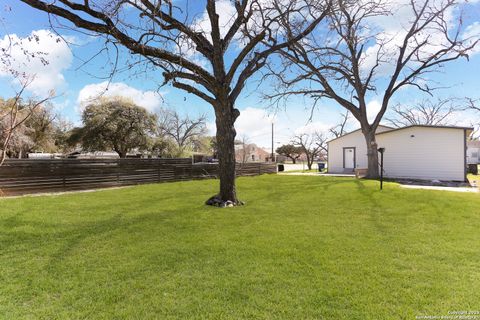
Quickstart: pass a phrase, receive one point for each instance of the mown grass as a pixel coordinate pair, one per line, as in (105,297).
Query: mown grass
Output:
(302,248)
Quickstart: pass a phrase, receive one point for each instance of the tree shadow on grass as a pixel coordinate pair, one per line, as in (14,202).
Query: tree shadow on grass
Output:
(376,207)
(117,224)
(11,222)
(367,193)
(59,241)
(72,238)
(284,194)
(326,186)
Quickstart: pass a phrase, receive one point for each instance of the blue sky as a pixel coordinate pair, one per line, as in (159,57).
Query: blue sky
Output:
(74,82)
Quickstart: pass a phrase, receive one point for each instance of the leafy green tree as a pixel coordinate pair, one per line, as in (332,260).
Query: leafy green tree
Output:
(41,125)
(290,151)
(74,137)
(62,132)
(162,147)
(116,124)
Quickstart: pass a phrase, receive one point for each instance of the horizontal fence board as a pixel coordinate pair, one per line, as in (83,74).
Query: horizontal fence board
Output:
(24,176)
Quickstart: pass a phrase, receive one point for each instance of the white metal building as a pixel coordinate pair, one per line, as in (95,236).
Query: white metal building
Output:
(414,152)
(473,152)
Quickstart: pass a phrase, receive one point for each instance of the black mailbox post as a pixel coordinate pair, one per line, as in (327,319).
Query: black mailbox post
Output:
(381,150)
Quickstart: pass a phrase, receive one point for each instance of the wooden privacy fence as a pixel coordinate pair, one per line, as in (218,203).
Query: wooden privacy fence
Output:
(33,176)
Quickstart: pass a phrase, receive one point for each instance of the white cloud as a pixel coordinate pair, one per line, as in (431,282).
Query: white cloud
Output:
(211,128)
(42,56)
(472,34)
(465,118)
(254,123)
(227,14)
(390,31)
(373,107)
(186,47)
(150,100)
(313,127)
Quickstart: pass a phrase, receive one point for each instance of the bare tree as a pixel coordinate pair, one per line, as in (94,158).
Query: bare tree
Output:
(185,131)
(425,112)
(474,105)
(290,151)
(313,145)
(16,111)
(13,114)
(359,58)
(243,152)
(196,54)
(339,129)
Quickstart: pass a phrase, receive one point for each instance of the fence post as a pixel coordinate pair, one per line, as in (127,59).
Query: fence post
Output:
(118,171)
(64,183)
(90,173)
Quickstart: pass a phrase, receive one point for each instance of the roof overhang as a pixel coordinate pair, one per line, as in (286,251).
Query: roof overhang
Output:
(468,129)
(346,134)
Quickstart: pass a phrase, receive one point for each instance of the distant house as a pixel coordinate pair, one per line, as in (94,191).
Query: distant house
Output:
(93,155)
(43,155)
(82,154)
(250,153)
(413,152)
(473,152)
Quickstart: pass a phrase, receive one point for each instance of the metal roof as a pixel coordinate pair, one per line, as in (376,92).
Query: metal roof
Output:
(426,126)
(411,126)
(381,125)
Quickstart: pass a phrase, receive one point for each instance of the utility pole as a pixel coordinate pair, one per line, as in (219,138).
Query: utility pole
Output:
(273,154)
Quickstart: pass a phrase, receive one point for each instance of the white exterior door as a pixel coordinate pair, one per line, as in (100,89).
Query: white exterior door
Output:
(349,158)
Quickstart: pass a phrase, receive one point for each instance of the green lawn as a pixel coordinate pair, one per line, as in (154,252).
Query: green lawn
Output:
(302,248)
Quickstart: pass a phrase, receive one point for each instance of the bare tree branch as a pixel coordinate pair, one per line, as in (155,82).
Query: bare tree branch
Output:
(183,130)
(14,113)
(357,59)
(196,55)
(339,129)
(426,112)
(313,145)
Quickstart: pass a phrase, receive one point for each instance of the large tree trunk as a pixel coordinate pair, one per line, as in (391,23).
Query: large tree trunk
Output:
(309,164)
(225,119)
(372,154)
(294,160)
(309,161)
(121,154)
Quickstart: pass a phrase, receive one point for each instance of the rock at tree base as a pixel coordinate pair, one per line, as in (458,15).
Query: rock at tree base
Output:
(216,201)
